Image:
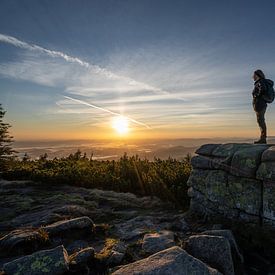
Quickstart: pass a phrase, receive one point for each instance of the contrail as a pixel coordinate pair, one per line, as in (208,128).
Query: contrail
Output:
(106,110)
(95,68)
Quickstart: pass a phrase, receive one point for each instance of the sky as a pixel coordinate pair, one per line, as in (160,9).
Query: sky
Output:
(173,69)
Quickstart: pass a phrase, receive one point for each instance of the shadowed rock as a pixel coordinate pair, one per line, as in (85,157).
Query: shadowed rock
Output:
(214,250)
(230,237)
(83,256)
(22,241)
(117,253)
(173,260)
(155,242)
(53,261)
(76,246)
(135,227)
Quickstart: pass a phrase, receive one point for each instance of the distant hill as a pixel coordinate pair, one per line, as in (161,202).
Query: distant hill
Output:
(106,149)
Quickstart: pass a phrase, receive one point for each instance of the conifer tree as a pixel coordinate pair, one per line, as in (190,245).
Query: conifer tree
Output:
(6,151)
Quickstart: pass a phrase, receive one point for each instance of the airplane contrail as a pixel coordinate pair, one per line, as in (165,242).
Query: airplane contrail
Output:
(106,110)
(95,68)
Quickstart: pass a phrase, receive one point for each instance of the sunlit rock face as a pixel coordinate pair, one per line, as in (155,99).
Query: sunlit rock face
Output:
(234,180)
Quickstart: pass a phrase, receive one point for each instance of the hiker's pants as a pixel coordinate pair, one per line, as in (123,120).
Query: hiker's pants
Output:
(261,121)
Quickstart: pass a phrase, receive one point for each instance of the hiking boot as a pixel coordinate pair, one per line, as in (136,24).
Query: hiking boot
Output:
(260,141)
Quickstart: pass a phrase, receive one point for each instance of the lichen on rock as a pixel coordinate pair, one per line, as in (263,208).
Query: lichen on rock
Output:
(52,261)
(236,181)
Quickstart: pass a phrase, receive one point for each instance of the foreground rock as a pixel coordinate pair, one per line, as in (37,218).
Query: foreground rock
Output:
(83,255)
(155,242)
(53,261)
(136,227)
(28,204)
(213,250)
(20,242)
(173,260)
(117,253)
(38,217)
(237,255)
(235,181)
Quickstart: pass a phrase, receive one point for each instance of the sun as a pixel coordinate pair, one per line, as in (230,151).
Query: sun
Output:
(120,124)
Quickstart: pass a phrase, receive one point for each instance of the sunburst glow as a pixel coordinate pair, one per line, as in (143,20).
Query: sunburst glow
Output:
(120,124)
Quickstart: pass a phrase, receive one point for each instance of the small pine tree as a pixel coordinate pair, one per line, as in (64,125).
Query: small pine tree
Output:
(6,151)
(26,157)
(43,157)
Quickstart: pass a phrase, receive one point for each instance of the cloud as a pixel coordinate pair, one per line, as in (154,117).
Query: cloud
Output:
(211,96)
(92,68)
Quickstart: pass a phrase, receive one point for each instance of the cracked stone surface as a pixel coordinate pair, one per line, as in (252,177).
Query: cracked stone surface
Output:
(235,181)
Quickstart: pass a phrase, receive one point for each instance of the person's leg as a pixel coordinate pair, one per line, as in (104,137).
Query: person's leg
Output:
(261,122)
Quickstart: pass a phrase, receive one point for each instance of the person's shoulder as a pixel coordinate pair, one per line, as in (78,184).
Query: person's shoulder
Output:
(262,82)
(257,83)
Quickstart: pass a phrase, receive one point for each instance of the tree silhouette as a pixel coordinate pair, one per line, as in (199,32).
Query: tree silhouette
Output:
(6,151)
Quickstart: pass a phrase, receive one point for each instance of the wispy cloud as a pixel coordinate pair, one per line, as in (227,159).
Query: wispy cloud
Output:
(211,97)
(92,67)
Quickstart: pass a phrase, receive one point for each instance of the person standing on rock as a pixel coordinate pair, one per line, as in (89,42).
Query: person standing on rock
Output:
(263,93)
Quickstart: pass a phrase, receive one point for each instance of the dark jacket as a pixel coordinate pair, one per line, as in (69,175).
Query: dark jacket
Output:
(260,87)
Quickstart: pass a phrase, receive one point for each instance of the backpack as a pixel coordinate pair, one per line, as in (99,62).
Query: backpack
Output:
(269,94)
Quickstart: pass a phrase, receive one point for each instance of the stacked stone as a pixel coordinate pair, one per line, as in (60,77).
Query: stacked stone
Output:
(234,180)
(266,173)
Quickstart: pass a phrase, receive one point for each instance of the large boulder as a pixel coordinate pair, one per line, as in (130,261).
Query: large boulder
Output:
(173,260)
(246,160)
(269,154)
(213,250)
(266,171)
(53,261)
(198,203)
(244,194)
(216,156)
(155,242)
(206,187)
(212,183)
(207,149)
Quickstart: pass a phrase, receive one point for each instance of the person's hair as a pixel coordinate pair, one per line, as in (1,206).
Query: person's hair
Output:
(259,73)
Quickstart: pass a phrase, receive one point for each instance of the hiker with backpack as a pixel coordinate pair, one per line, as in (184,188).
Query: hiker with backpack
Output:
(263,93)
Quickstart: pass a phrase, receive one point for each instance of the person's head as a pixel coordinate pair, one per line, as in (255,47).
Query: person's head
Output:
(258,74)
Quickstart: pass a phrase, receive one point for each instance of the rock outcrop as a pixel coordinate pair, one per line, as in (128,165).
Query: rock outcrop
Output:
(236,181)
